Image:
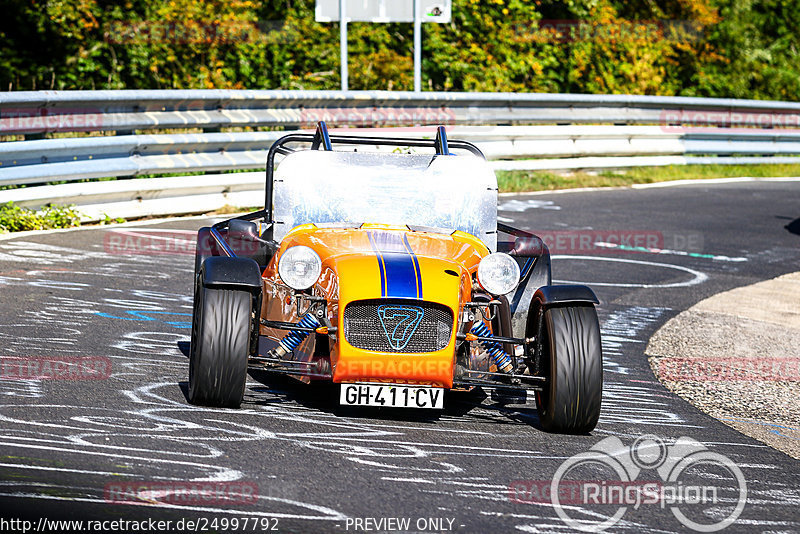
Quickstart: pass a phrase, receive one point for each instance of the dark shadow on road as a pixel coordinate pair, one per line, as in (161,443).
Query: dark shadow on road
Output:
(323,396)
(184,389)
(277,389)
(503,408)
(793,227)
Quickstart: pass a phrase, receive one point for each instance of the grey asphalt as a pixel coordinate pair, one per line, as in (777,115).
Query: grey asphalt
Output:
(318,468)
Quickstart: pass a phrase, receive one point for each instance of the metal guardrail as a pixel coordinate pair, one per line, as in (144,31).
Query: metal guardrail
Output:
(152,197)
(43,160)
(37,161)
(522,131)
(130,110)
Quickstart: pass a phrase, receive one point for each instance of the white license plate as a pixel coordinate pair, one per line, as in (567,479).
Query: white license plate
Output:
(390,395)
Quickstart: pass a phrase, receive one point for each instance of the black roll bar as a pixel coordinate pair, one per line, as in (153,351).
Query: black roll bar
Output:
(321,139)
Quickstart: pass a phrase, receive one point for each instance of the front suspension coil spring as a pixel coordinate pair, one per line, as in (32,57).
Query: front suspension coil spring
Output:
(495,350)
(293,339)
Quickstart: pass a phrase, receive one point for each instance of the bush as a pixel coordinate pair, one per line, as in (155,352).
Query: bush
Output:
(15,218)
(721,48)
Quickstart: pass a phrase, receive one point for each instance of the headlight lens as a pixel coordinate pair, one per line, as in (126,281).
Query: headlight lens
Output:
(299,267)
(498,273)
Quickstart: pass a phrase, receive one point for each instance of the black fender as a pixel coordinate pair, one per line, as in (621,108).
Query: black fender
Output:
(563,294)
(231,273)
(555,295)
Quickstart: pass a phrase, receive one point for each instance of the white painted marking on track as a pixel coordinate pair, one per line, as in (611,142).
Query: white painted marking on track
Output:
(713,181)
(61,469)
(412,480)
(520,206)
(698,277)
(223,474)
(133,231)
(653,250)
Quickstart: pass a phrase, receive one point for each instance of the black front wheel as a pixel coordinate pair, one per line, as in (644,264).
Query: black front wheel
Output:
(572,361)
(220,344)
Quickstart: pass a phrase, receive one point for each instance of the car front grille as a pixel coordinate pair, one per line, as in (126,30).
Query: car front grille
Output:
(396,325)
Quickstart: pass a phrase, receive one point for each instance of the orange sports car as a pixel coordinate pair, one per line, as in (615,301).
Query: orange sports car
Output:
(379,264)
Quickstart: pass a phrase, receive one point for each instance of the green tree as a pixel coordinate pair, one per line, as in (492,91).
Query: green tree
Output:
(722,48)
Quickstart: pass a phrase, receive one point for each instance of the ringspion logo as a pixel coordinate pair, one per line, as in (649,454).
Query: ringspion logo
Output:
(591,491)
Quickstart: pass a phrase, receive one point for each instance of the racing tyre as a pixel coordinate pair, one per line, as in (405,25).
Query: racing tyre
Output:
(572,361)
(219,349)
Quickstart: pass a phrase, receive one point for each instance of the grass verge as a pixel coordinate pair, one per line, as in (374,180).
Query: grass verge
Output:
(514,181)
(227,209)
(15,218)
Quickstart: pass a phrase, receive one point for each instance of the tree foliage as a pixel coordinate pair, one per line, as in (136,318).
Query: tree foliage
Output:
(721,48)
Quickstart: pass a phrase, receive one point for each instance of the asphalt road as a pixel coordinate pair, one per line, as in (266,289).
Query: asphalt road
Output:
(315,468)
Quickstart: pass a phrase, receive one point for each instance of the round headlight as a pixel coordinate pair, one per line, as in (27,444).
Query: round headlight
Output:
(299,267)
(498,273)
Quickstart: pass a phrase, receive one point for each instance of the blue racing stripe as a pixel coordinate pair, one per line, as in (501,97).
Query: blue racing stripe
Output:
(401,280)
(400,274)
(381,266)
(417,272)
